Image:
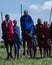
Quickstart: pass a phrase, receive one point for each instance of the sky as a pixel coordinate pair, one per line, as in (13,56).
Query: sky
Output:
(36,8)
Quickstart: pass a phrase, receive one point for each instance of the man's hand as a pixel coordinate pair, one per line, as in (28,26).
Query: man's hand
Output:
(43,36)
(30,34)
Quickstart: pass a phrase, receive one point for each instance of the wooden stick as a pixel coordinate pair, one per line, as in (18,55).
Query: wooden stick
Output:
(21,9)
(50,15)
(2,16)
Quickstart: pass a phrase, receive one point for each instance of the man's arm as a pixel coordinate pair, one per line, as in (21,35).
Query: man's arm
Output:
(23,28)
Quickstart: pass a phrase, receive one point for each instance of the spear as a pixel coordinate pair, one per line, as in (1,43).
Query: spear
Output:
(50,15)
(21,9)
(2,16)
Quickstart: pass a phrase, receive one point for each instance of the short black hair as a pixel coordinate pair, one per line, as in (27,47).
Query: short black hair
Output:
(25,11)
(6,15)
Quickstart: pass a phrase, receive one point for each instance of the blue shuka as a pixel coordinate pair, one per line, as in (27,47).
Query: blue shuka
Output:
(17,42)
(28,24)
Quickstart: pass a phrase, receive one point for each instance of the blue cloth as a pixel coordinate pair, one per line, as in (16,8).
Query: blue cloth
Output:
(17,41)
(27,22)
(34,38)
(17,31)
(28,25)
(16,47)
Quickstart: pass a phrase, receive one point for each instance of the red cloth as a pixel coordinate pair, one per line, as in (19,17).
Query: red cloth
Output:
(39,28)
(28,38)
(8,31)
(51,31)
(46,31)
(46,36)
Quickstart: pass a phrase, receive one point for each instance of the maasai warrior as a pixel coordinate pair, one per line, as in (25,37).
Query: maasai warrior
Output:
(17,41)
(50,30)
(46,35)
(27,27)
(39,27)
(8,34)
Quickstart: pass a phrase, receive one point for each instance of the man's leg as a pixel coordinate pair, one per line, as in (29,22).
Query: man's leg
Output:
(30,52)
(44,49)
(24,47)
(7,49)
(27,48)
(15,50)
(50,51)
(40,51)
(11,50)
(34,49)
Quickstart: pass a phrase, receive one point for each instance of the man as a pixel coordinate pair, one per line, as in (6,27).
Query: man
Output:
(17,41)
(50,30)
(8,34)
(46,37)
(39,27)
(27,27)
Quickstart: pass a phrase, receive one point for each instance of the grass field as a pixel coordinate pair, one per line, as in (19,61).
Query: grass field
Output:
(23,60)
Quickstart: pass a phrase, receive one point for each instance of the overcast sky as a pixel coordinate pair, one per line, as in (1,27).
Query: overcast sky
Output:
(37,9)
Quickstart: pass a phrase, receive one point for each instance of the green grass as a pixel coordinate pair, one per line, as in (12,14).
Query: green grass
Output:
(23,60)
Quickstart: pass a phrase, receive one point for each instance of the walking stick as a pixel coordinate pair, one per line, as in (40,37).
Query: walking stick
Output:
(50,15)
(2,16)
(2,21)
(21,9)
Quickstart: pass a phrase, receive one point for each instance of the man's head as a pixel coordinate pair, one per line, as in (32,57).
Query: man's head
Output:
(7,17)
(25,12)
(51,23)
(39,21)
(15,22)
(45,23)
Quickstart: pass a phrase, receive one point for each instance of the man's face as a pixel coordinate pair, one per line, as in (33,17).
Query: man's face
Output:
(51,23)
(39,21)
(25,12)
(15,22)
(7,18)
(45,24)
